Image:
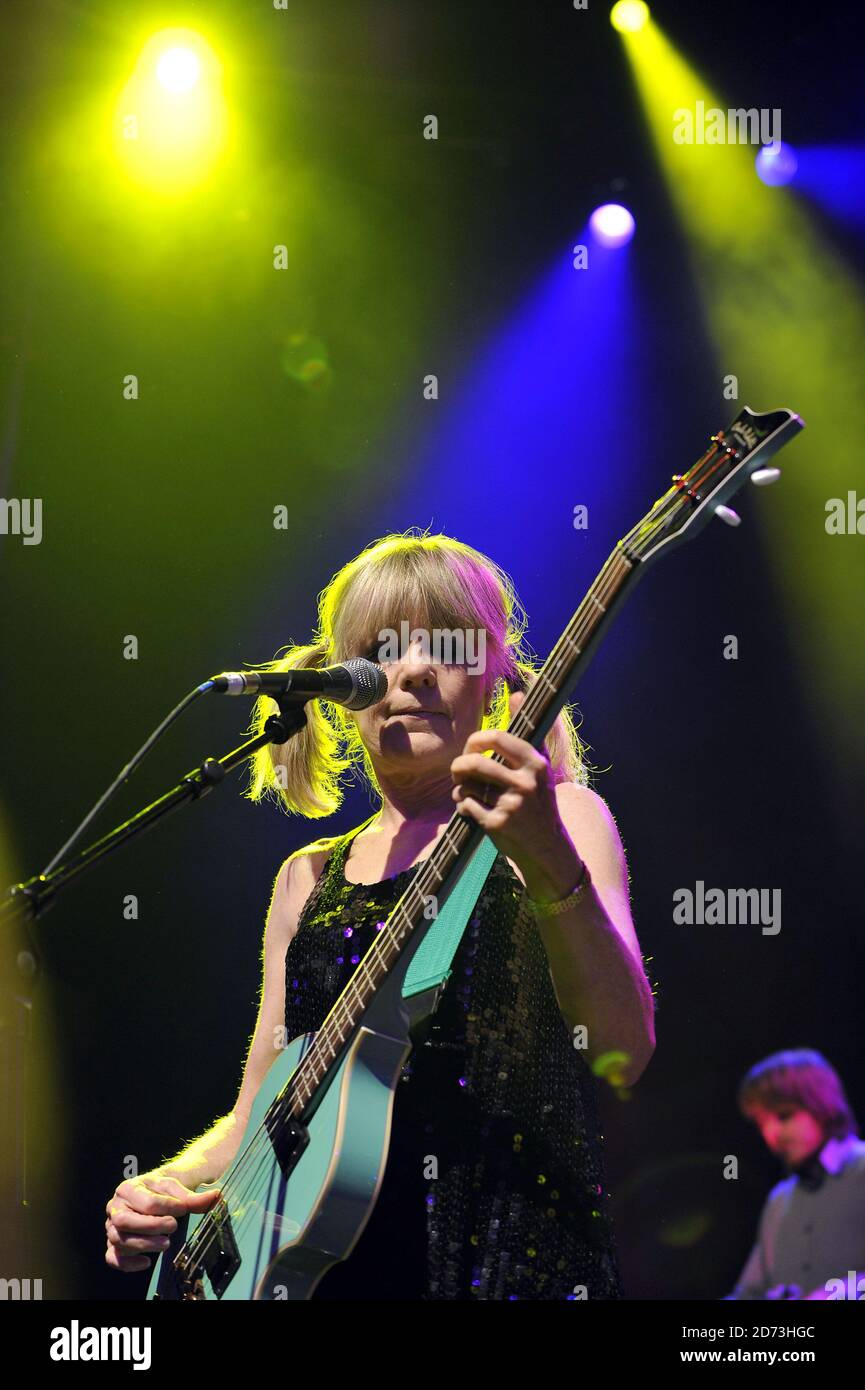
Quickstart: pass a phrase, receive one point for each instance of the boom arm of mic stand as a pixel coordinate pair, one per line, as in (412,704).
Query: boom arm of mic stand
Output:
(26,901)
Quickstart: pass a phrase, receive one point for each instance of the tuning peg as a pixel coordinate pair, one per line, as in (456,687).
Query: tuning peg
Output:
(727,514)
(763,476)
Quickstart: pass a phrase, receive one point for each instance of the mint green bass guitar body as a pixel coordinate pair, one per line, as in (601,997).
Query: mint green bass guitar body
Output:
(300,1195)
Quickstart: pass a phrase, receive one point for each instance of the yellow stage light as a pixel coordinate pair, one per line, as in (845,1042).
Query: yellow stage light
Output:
(171,118)
(178,69)
(788,319)
(628,16)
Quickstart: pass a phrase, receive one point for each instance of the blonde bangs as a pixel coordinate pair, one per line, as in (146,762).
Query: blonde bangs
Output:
(427,587)
(432,582)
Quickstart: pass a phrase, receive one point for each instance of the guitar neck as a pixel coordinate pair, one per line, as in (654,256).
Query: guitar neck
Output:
(574,649)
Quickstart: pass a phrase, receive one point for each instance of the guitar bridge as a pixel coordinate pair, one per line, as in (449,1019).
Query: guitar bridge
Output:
(215,1254)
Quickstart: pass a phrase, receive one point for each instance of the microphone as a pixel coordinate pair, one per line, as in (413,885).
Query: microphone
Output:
(356,683)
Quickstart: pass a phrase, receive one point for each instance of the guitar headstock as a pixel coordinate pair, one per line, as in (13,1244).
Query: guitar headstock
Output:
(735,455)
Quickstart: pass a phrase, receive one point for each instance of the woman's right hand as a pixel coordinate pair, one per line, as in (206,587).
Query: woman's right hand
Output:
(143,1215)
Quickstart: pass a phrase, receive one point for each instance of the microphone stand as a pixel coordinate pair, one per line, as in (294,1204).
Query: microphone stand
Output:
(26,901)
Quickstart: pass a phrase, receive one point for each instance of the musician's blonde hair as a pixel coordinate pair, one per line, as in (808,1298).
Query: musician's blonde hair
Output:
(432,581)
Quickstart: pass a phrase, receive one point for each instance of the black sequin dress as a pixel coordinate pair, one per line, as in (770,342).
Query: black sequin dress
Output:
(494,1185)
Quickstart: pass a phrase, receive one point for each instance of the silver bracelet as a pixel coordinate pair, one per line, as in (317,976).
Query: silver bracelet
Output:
(564,904)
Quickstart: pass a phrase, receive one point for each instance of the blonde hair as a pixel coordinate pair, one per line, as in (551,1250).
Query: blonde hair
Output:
(433,581)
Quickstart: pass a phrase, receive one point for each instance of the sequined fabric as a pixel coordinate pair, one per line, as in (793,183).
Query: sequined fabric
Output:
(494,1185)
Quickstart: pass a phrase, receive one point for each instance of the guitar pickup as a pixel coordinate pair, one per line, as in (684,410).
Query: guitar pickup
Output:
(288,1136)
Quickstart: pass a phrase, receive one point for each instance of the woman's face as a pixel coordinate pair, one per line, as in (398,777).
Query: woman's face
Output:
(427,714)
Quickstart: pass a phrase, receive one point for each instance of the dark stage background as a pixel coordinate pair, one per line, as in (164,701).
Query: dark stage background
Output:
(409,257)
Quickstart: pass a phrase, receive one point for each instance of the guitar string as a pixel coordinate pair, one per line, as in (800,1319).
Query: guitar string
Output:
(230,1191)
(288,1114)
(667,503)
(229,1187)
(599,585)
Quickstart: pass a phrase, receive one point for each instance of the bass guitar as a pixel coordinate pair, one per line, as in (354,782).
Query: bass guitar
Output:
(310,1163)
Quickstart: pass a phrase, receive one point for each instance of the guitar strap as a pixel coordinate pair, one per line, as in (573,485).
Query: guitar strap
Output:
(431,964)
